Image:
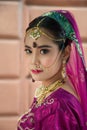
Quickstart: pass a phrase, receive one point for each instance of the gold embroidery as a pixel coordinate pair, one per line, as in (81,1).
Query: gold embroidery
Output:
(28,115)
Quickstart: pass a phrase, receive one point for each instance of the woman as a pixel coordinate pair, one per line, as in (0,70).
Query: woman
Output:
(54,51)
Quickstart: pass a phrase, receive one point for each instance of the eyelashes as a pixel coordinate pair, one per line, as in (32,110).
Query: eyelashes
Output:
(28,51)
(42,51)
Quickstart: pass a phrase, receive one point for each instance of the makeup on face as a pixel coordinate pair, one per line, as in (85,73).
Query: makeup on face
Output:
(37,71)
(40,51)
(45,56)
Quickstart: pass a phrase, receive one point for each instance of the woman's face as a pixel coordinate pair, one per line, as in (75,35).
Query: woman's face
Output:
(44,60)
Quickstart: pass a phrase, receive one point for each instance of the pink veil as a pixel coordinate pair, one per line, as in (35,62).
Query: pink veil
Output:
(76,69)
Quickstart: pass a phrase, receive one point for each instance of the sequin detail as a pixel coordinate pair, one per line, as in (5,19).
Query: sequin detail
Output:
(27,118)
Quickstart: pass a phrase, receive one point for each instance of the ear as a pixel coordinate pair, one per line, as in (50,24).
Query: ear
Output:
(67,52)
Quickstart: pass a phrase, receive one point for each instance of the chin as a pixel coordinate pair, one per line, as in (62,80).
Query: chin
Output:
(38,78)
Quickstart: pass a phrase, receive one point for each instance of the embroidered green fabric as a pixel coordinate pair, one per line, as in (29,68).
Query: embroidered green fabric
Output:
(69,31)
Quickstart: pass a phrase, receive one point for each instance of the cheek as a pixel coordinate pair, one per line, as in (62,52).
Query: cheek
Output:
(46,62)
(27,62)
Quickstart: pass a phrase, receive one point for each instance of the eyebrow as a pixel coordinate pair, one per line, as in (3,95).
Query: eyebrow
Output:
(42,46)
(27,46)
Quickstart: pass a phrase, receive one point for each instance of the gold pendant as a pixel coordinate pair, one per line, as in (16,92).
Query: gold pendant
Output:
(39,91)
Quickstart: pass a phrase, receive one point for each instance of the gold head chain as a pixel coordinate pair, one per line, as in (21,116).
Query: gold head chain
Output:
(36,33)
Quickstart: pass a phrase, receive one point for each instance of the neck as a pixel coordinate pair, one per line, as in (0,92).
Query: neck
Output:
(56,77)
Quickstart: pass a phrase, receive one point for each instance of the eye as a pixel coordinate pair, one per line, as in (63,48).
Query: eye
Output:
(44,51)
(28,51)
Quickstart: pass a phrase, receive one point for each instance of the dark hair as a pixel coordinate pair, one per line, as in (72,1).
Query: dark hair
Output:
(53,27)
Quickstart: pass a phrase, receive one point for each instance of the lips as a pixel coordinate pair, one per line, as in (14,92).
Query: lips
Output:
(36,71)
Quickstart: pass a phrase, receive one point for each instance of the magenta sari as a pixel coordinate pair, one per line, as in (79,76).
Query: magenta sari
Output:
(61,110)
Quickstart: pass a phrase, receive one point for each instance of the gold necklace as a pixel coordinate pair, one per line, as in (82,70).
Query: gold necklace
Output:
(42,91)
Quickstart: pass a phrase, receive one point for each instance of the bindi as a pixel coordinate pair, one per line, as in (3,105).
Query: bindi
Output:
(34,44)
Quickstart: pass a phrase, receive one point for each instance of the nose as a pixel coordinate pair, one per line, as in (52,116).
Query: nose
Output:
(35,59)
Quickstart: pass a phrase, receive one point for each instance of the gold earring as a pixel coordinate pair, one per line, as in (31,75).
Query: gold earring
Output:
(63,73)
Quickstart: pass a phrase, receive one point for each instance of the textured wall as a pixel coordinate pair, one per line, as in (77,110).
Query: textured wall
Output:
(16,90)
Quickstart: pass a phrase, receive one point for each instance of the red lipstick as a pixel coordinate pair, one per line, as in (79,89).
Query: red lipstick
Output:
(36,71)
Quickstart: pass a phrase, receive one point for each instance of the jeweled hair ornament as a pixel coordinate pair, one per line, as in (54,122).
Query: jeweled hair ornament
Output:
(36,33)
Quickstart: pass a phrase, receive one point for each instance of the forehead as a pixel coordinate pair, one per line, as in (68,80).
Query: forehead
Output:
(42,40)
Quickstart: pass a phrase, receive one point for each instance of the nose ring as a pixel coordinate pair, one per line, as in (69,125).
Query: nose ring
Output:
(37,66)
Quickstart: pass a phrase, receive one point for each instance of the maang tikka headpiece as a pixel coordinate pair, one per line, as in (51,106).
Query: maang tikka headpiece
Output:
(36,33)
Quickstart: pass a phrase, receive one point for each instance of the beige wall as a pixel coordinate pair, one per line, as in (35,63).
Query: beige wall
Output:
(16,90)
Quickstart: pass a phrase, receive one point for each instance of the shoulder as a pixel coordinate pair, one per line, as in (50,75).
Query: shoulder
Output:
(67,99)
(69,105)
(65,109)
(59,101)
